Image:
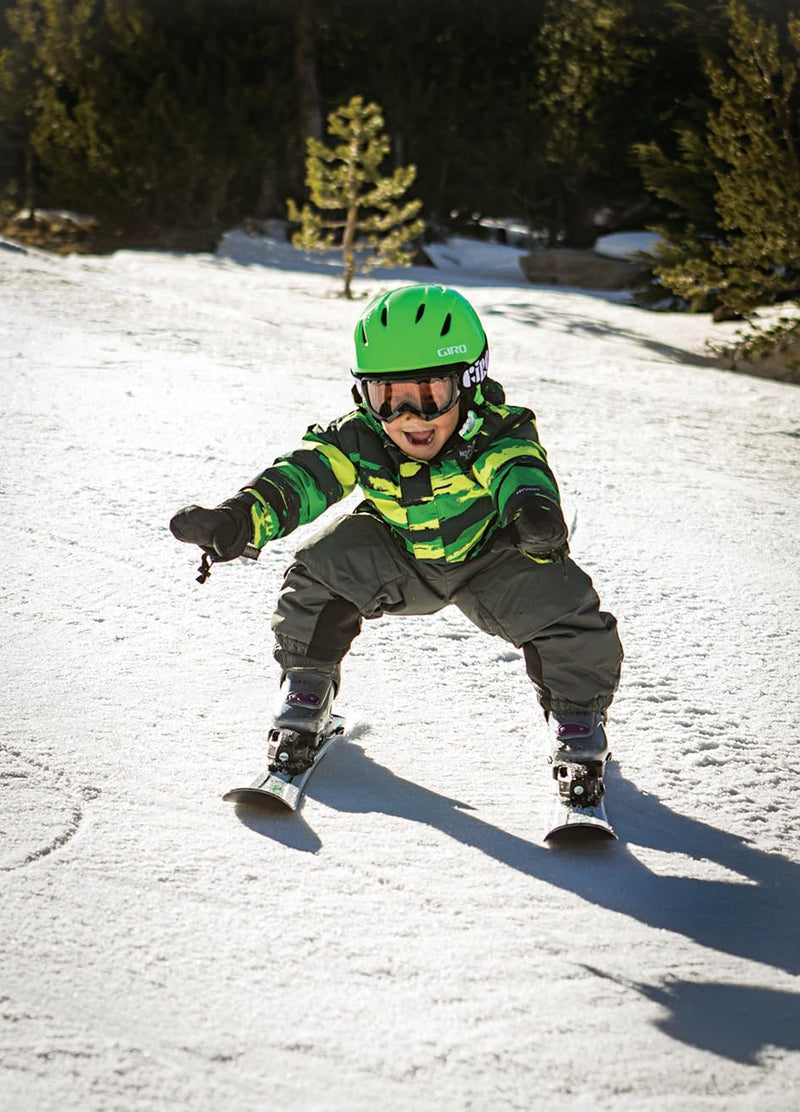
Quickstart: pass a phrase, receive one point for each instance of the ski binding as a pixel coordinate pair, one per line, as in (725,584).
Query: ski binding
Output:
(285,786)
(579,808)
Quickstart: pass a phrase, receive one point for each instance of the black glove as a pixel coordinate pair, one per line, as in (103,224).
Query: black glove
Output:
(540,529)
(223,533)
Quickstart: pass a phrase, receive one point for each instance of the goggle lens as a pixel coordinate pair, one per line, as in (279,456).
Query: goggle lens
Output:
(428,398)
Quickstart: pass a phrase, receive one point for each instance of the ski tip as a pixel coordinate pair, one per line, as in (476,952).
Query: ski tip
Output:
(574,834)
(257,797)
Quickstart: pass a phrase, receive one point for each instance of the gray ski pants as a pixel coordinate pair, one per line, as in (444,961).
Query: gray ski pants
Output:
(354,569)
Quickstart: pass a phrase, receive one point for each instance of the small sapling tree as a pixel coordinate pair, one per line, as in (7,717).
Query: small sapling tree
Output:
(353,207)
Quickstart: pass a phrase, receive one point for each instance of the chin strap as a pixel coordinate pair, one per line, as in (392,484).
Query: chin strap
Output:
(472,426)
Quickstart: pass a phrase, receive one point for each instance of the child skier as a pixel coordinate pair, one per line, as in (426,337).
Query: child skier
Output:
(460,507)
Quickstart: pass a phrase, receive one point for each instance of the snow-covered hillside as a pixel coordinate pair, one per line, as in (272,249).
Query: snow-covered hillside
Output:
(405,942)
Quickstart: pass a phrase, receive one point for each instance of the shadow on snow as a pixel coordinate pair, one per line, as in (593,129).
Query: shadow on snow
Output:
(577,324)
(732,1021)
(753,919)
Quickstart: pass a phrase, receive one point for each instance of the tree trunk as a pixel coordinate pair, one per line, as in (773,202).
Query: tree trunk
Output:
(267,202)
(30,188)
(305,70)
(348,250)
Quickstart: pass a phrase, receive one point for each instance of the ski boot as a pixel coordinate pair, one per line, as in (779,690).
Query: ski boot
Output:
(578,755)
(301,718)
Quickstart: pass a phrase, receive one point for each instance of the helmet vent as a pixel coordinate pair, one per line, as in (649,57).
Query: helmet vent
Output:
(448,320)
(420,313)
(364,339)
(384,316)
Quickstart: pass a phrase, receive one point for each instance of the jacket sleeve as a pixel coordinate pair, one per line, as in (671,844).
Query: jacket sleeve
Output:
(514,468)
(300,486)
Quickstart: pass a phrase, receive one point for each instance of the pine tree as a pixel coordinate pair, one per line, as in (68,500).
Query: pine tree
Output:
(750,257)
(144,114)
(590,52)
(41,46)
(352,206)
(688,226)
(754,137)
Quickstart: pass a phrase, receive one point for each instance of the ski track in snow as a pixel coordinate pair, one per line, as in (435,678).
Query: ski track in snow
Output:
(406,939)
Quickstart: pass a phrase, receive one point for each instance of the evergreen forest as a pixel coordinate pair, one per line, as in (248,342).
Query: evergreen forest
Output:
(576,117)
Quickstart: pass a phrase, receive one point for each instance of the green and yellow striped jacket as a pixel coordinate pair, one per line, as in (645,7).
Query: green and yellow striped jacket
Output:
(446,509)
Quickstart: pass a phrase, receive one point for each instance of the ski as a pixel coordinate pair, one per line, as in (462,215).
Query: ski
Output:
(280,787)
(579,807)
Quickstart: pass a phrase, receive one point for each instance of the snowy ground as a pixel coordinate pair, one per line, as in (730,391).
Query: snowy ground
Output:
(407,942)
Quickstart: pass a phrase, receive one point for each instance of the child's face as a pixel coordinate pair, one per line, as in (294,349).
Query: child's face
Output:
(421,439)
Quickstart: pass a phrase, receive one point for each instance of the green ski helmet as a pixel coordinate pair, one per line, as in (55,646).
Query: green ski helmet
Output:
(421,331)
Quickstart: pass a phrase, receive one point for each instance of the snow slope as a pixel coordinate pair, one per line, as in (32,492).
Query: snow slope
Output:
(406,941)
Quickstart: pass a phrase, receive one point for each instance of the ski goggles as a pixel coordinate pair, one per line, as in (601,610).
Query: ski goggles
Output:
(427,398)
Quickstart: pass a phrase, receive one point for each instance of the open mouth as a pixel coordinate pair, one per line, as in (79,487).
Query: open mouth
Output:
(421,439)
